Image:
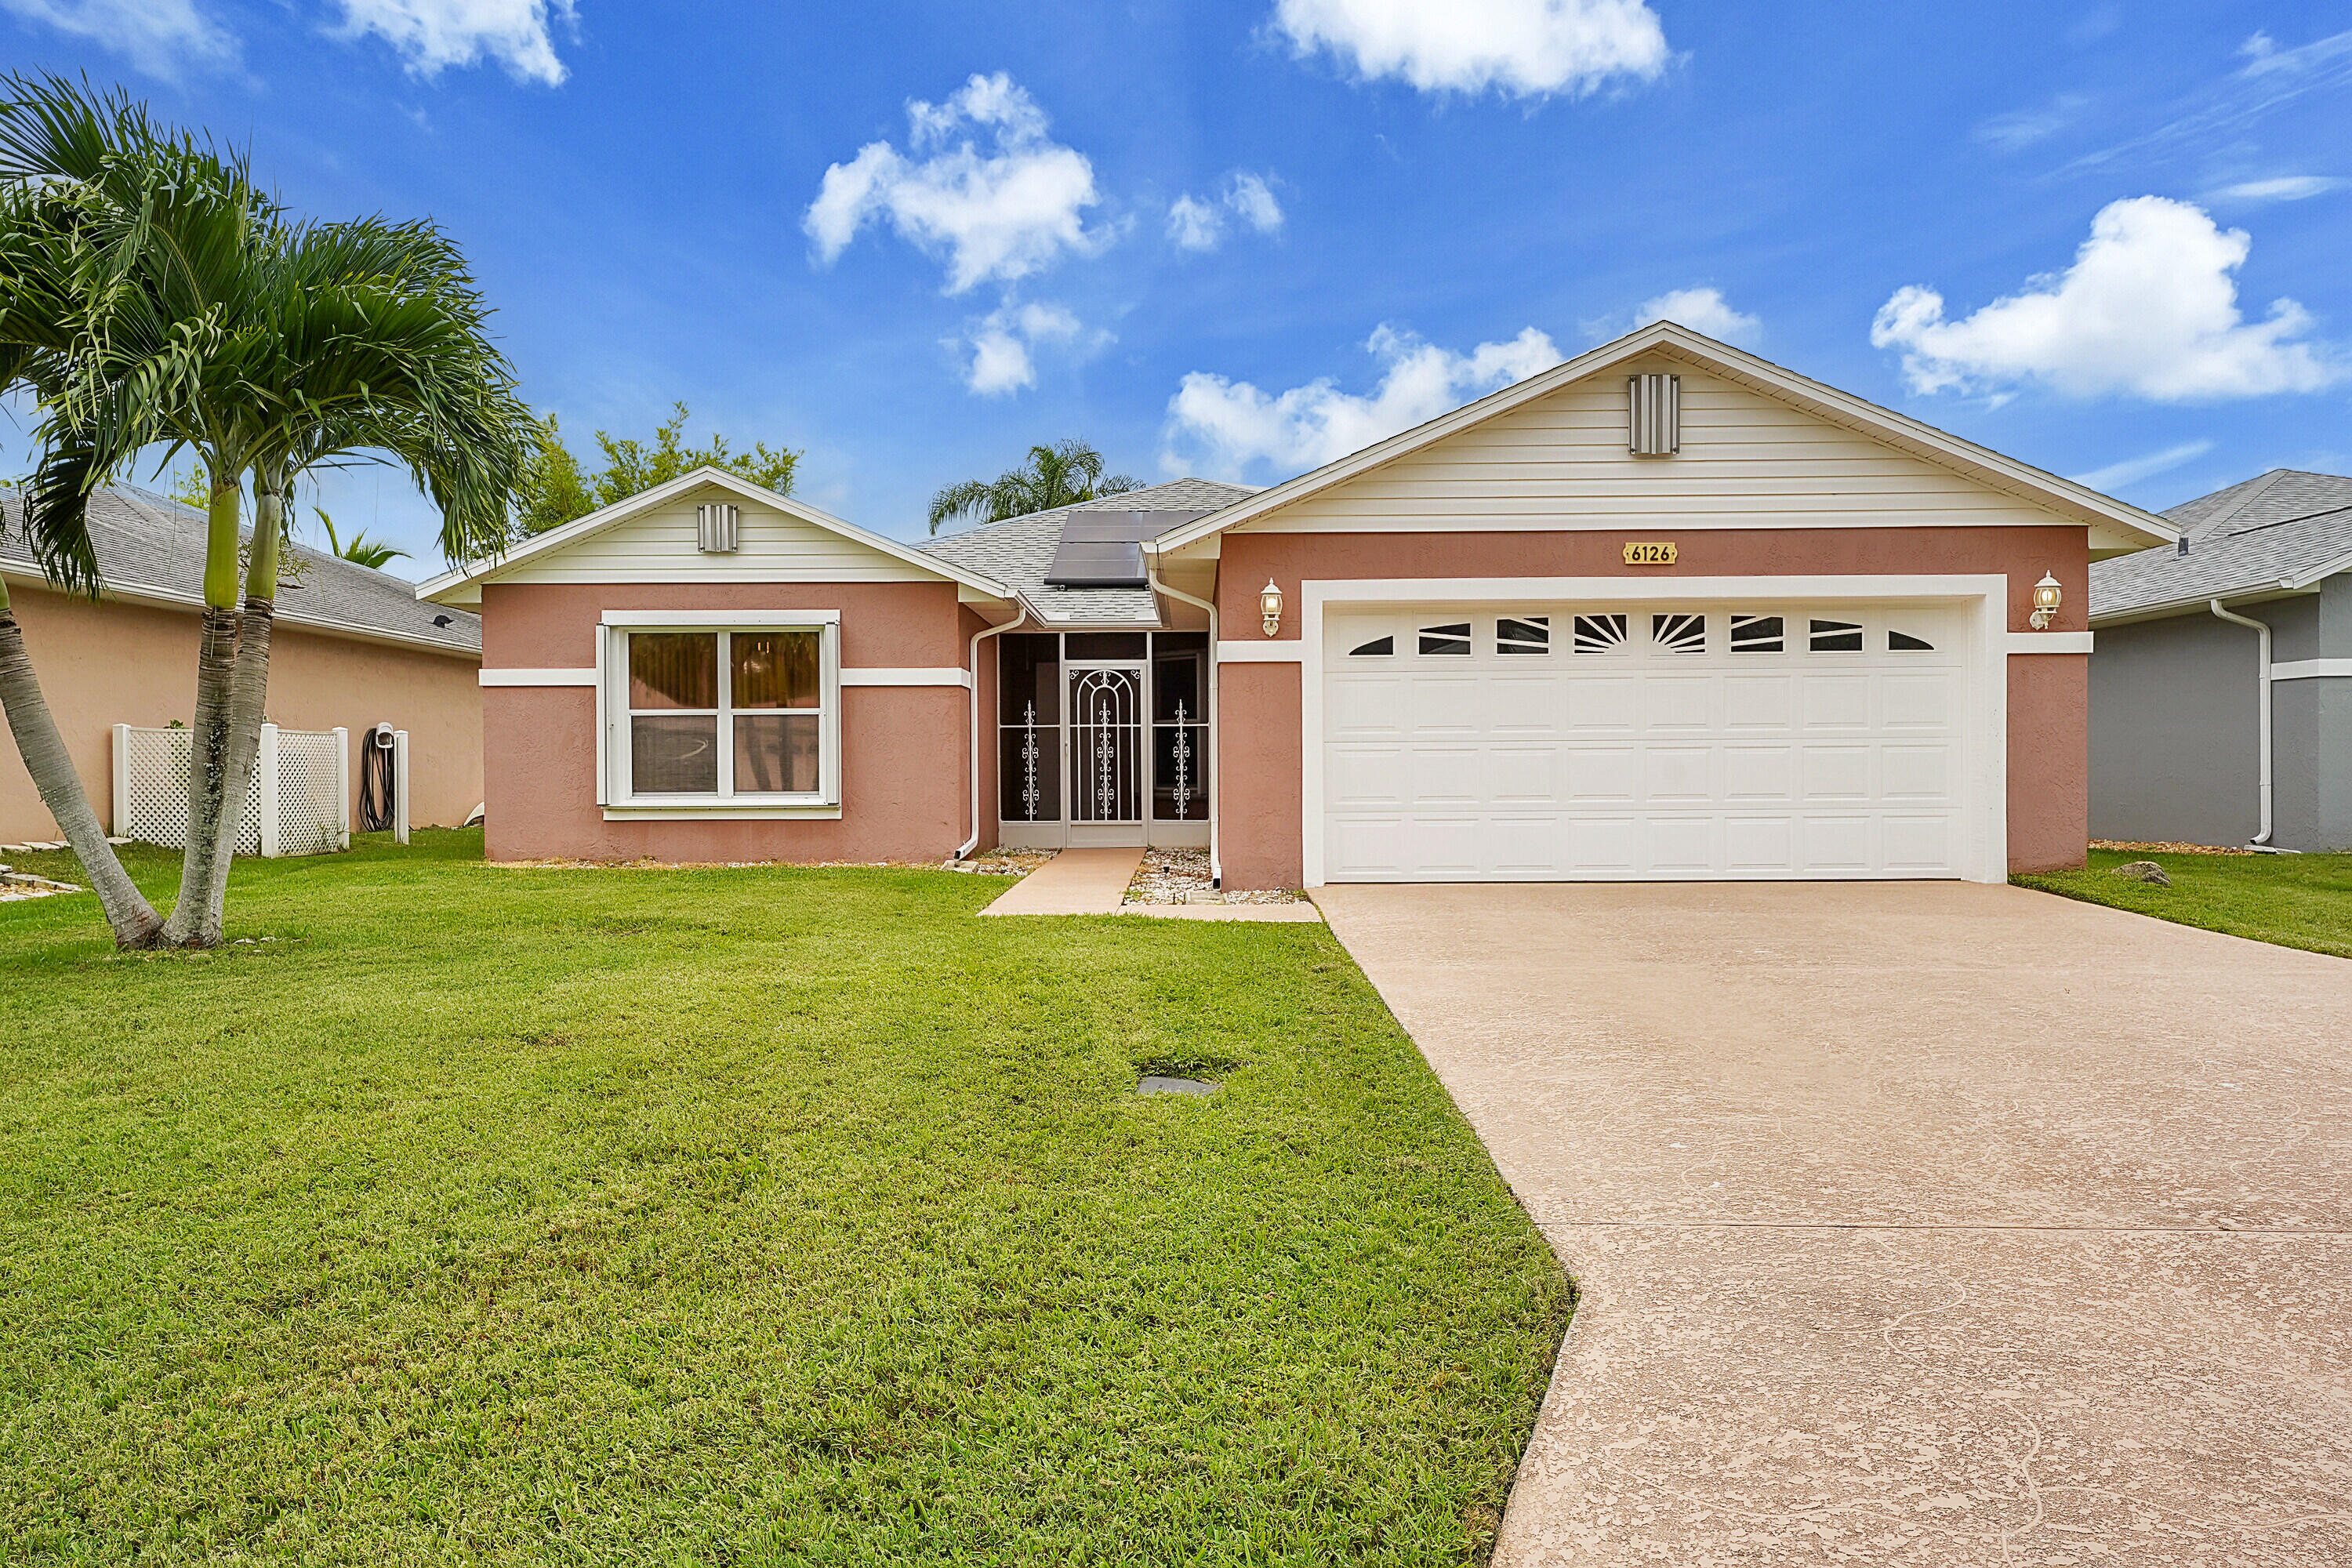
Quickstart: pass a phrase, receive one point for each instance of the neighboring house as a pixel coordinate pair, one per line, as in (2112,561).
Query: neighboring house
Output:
(2221,693)
(1663,611)
(353,648)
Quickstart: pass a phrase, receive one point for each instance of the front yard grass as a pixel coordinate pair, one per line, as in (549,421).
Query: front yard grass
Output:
(2294,901)
(745,1216)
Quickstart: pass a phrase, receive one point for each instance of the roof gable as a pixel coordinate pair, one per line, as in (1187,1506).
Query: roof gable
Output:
(2036,495)
(652,537)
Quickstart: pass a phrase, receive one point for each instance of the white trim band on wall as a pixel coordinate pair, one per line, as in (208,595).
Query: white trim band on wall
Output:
(2049,642)
(1289,651)
(943,675)
(539,677)
(2310,669)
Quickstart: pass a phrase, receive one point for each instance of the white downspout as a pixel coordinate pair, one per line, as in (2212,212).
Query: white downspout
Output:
(970,844)
(1151,576)
(2260,840)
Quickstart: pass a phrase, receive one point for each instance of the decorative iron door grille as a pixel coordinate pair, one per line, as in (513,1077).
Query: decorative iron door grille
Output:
(1106,744)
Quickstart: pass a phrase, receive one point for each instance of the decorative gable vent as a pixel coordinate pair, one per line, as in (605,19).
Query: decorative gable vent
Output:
(1653,424)
(717,523)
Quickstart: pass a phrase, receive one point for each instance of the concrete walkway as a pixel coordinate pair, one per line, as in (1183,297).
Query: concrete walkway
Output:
(1074,882)
(1094,882)
(1916,1222)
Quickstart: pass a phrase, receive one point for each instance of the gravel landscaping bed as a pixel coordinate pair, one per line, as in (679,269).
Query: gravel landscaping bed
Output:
(1181,877)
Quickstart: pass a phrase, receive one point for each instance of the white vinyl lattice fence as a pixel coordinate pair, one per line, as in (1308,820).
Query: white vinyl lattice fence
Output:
(300,802)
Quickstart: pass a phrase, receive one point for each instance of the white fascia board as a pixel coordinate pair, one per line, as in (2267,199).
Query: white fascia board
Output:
(2311,669)
(2201,604)
(2317,574)
(1979,463)
(557,538)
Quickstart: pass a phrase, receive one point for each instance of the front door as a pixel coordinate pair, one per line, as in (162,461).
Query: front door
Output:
(1107,752)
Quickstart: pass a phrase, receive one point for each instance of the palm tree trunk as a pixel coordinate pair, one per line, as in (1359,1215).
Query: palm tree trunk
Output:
(135,922)
(248,696)
(208,801)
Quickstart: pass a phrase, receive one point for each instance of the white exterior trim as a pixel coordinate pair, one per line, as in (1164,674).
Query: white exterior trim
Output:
(722,814)
(2310,669)
(721,618)
(1271,651)
(558,539)
(943,675)
(1989,591)
(2130,527)
(539,677)
(612,729)
(2050,642)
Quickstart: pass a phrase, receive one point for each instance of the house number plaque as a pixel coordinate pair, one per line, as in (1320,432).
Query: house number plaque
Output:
(1657,552)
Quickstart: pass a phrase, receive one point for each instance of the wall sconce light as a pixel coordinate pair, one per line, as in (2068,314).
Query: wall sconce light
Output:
(1269,606)
(2046,595)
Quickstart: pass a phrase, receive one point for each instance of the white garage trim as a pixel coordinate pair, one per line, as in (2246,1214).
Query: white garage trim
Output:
(1986,593)
(2050,642)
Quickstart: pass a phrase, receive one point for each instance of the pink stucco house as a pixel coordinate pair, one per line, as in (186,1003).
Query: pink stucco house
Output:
(1664,611)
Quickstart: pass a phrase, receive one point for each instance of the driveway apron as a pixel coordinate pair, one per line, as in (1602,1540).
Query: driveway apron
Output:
(1915,1223)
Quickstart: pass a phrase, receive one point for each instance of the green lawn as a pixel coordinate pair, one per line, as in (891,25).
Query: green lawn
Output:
(735,1217)
(2295,901)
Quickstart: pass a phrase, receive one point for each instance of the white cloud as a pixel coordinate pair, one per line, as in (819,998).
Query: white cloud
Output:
(2148,309)
(430,35)
(1525,48)
(2021,128)
(1702,310)
(1001,346)
(2284,188)
(160,37)
(2131,470)
(1196,225)
(1225,427)
(1002,213)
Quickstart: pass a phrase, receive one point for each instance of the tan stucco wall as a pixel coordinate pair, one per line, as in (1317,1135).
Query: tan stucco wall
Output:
(1260,764)
(904,768)
(109,664)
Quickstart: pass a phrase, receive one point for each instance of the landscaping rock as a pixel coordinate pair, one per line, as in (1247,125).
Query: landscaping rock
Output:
(2146,872)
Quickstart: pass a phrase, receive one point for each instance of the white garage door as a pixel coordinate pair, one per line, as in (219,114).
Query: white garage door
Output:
(1636,741)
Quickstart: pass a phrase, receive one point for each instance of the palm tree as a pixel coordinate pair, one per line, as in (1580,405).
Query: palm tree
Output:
(212,323)
(372,554)
(1060,475)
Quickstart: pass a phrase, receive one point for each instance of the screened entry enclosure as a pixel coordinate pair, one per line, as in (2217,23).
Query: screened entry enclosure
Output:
(1103,738)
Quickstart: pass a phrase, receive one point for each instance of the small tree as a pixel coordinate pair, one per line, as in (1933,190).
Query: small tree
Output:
(555,490)
(155,297)
(1062,474)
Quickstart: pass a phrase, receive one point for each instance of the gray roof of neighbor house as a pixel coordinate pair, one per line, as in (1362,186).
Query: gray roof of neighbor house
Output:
(2284,528)
(1019,551)
(153,548)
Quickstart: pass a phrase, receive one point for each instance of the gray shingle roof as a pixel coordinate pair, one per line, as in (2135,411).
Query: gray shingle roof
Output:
(151,547)
(1019,551)
(2274,526)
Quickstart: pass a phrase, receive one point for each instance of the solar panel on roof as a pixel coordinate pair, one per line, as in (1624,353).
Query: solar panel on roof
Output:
(1103,549)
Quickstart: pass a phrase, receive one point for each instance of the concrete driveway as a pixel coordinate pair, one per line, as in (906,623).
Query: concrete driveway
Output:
(1916,1222)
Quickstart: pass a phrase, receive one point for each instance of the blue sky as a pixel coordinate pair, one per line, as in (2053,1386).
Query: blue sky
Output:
(1239,239)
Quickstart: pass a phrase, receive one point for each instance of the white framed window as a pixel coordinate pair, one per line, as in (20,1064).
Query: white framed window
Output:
(732,713)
